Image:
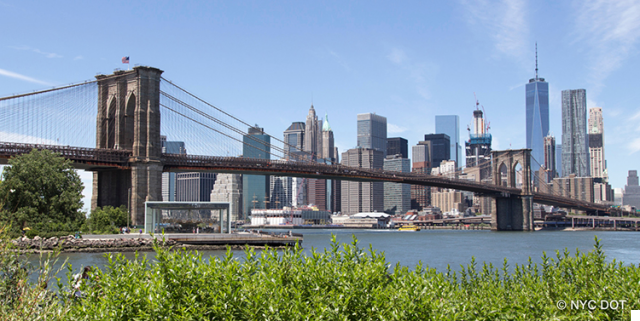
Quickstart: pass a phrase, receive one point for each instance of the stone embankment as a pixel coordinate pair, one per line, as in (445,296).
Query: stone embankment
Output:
(71,244)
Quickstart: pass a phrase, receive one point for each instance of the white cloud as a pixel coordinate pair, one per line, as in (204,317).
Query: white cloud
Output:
(611,30)
(24,139)
(23,77)
(38,51)
(395,129)
(78,58)
(506,23)
(634,146)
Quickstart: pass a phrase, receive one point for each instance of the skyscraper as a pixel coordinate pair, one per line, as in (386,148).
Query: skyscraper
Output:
(330,157)
(596,144)
(294,137)
(358,197)
(575,142)
(372,132)
(397,197)
(168,178)
(440,148)
(558,160)
(314,141)
(397,146)
(478,157)
(255,188)
(631,194)
(194,186)
(537,117)
(421,195)
(312,134)
(450,125)
(281,191)
(549,158)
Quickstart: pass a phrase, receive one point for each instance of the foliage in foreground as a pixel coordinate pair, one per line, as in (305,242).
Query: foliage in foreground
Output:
(42,191)
(340,283)
(19,298)
(348,283)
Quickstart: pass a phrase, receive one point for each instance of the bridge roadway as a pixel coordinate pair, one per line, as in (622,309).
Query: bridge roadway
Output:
(94,159)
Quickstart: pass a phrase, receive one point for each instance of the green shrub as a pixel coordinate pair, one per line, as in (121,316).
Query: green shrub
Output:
(349,283)
(106,220)
(21,299)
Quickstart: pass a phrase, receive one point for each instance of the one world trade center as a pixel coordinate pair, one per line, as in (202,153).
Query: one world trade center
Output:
(537,117)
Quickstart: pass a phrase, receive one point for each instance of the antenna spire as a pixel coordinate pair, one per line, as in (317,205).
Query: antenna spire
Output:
(536,61)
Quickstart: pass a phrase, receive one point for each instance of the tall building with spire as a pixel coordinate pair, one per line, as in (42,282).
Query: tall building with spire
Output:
(312,134)
(314,140)
(537,117)
(327,141)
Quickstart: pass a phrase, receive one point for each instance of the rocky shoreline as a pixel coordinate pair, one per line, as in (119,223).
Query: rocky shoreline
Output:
(69,244)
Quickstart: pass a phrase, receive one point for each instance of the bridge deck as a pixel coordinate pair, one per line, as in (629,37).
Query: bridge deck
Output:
(96,159)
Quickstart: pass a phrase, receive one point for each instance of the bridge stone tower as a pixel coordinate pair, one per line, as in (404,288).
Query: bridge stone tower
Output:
(512,212)
(129,119)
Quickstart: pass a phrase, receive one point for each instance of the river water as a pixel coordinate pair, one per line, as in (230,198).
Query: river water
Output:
(439,248)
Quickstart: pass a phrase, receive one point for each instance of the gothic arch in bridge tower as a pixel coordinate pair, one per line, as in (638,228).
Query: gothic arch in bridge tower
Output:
(129,118)
(504,174)
(512,212)
(127,133)
(110,126)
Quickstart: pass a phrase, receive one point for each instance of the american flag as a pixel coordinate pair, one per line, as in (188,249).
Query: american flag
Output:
(125,60)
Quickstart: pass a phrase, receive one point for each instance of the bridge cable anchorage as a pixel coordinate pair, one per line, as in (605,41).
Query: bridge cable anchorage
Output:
(286,145)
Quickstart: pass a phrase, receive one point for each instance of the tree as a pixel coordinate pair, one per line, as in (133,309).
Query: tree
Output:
(41,190)
(107,219)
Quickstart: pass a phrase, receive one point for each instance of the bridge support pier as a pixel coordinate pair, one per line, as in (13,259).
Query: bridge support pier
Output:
(512,214)
(146,180)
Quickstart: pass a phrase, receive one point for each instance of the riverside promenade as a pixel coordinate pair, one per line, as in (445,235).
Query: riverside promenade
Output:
(250,237)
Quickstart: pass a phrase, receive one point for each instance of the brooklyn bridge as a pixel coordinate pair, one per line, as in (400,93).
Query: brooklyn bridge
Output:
(112,127)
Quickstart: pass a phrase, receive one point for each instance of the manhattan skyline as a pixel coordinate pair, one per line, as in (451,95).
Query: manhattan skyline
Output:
(265,62)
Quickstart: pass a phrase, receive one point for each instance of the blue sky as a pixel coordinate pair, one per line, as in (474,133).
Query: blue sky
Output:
(265,62)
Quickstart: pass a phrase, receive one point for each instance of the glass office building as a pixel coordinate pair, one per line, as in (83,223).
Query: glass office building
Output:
(537,118)
(255,188)
(450,125)
(372,132)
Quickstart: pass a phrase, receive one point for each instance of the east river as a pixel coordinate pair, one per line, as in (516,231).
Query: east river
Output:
(439,248)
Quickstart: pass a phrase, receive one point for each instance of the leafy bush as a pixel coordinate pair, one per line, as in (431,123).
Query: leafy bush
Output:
(106,220)
(19,298)
(348,283)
